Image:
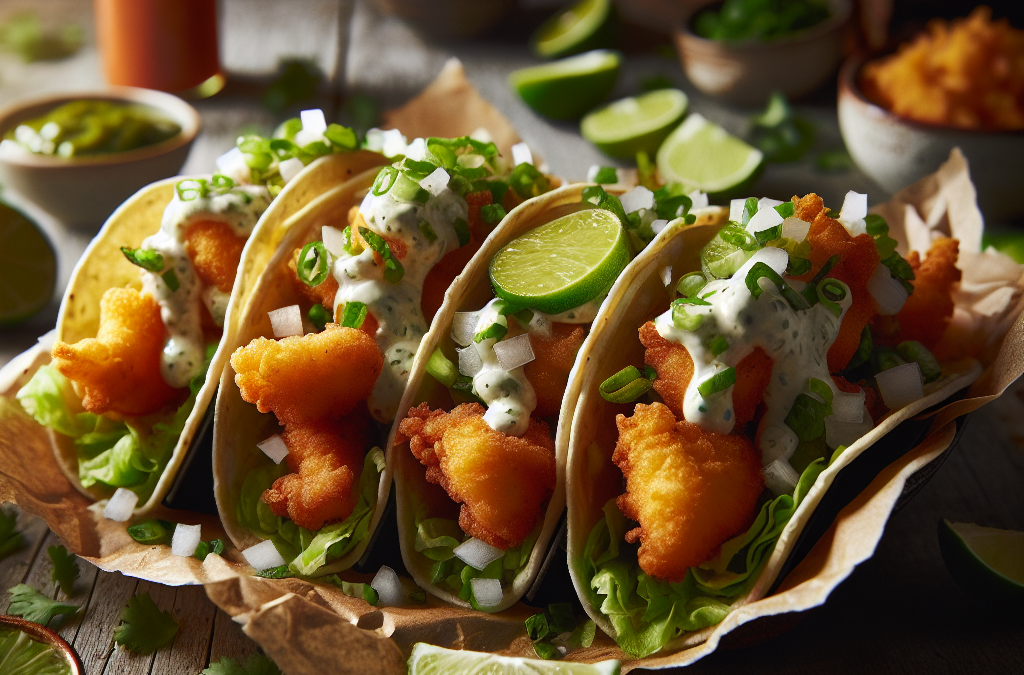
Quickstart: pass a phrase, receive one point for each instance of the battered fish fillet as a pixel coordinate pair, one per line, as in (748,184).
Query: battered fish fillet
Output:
(554,357)
(501,481)
(119,370)
(326,458)
(674,366)
(689,489)
(215,251)
(927,311)
(308,377)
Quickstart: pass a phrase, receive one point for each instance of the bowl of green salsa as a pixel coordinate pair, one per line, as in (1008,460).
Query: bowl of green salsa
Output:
(79,155)
(28,648)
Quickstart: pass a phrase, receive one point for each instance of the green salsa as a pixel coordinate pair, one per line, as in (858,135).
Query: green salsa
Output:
(22,655)
(762,20)
(94,127)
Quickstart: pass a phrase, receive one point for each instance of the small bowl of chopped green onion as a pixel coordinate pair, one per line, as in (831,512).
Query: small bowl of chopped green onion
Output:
(79,155)
(27,648)
(741,51)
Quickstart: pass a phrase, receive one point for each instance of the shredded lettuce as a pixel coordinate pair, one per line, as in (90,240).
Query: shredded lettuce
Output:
(647,613)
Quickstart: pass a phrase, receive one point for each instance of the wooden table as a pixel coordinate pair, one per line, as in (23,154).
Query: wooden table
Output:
(900,612)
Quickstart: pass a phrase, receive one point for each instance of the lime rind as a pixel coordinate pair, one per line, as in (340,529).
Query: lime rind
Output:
(631,125)
(984,561)
(568,88)
(430,660)
(586,25)
(702,155)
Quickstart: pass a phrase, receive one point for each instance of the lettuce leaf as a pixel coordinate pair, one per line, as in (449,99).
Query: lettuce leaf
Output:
(647,613)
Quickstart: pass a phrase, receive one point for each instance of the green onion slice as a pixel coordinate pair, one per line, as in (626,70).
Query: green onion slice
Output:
(820,388)
(718,382)
(625,386)
(354,315)
(462,230)
(492,213)
(739,237)
(717,345)
(427,231)
(691,284)
(442,369)
(221,182)
(830,293)
(385,180)
(171,279)
(760,269)
(314,264)
(797,267)
(152,532)
(811,292)
(393,270)
(495,330)
(146,258)
(606,174)
(786,209)
(191,188)
(749,209)
(319,316)
(912,350)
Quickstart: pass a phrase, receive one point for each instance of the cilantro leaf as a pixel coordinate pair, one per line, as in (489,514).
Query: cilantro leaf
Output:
(256,665)
(33,606)
(144,628)
(65,568)
(10,539)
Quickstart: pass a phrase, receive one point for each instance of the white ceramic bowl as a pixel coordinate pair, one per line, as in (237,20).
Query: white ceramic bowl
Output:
(895,152)
(82,192)
(746,73)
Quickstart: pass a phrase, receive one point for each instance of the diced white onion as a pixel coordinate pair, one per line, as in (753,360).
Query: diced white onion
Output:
(666,275)
(313,121)
(232,164)
(286,321)
(9,148)
(776,258)
(847,433)
(48,339)
(290,168)
(795,229)
(736,210)
(476,553)
(900,386)
(50,131)
(778,441)
(392,143)
(539,325)
(464,327)
(334,240)
(848,408)
(764,219)
(521,154)
(482,134)
(887,291)
(120,506)
(469,361)
(390,591)
(417,150)
(470,160)
(374,140)
(186,538)
(767,203)
(855,207)
(699,199)
(780,478)
(487,592)
(436,182)
(514,352)
(263,556)
(636,199)
(658,225)
(274,448)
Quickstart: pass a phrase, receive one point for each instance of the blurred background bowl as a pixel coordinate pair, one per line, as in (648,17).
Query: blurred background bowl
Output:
(747,72)
(82,192)
(448,19)
(895,152)
(50,637)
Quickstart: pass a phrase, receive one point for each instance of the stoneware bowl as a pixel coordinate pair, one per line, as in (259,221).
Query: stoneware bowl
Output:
(895,152)
(82,192)
(746,73)
(44,634)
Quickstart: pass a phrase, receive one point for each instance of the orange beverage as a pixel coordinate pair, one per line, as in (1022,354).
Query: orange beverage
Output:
(169,45)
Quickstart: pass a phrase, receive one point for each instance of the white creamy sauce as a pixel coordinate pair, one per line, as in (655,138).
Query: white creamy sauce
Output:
(797,342)
(184,350)
(585,313)
(397,307)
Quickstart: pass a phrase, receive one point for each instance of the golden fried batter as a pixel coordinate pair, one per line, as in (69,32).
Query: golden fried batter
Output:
(690,489)
(119,369)
(554,357)
(501,481)
(927,311)
(215,251)
(308,377)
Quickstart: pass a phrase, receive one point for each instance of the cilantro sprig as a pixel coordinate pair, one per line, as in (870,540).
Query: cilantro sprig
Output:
(31,605)
(65,568)
(144,628)
(556,631)
(10,538)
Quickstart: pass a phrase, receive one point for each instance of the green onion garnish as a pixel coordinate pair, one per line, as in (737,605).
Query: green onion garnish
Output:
(384,181)
(441,369)
(204,549)
(492,213)
(863,352)
(146,258)
(314,264)
(625,386)
(495,330)
(221,182)
(352,248)
(820,388)
(807,417)
(900,269)
(691,284)
(830,293)
(596,195)
(682,319)
(393,270)
(786,209)
(427,231)
(797,267)
(810,293)
(171,279)
(912,350)
(720,381)
(462,230)
(606,174)
(717,345)
(193,188)
(749,209)
(319,316)
(886,358)
(343,137)
(760,269)
(670,202)
(738,237)
(354,315)
(417,170)
(769,234)
(152,532)
(528,182)
(407,190)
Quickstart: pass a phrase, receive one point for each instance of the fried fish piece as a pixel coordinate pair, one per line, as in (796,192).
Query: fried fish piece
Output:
(554,357)
(501,481)
(215,251)
(308,377)
(928,310)
(119,370)
(689,489)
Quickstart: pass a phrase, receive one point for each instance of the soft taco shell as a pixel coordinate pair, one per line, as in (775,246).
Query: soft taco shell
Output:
(103,266)
(592,479)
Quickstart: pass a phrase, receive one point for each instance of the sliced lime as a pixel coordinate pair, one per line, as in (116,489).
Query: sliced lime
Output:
(430,660)
(28,267)
(703,155)
(984,560)
(568,88)
(563,264)
(638,123)
(589,24)
(1010,243)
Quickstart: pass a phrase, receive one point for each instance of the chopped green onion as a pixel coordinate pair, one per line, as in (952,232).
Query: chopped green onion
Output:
(768,234)
(863,352)
(146,258)
(314,264)
(876,225)
(624,386)
(830,293)
(497,188)
(354,315)
(886,358)
(606,174)
(280,572)
(464,385)
(343,137)
(319,316)
(691,284)
(528,182)
(416,597)
(820,388)
(385,180)
(912,350)
(495,330)
(191,188)
(524,317)
(807,417)
(462,231)
(407,190)
(749,210)
(152,532)
(492,213)
(718,382)
(393,270)
(417,170)
(760,269)
(738,237)
(717,345)
(441,369)
(797,267)
(786,209)
(427,231)
(221,182)
(206,548)
(670,202)
(900,269)
(596,195)
(811,292)
(682,319)
(171,279)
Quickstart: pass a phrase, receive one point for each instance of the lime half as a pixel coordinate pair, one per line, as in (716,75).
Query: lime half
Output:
(430,660)
(563,264)
(568,88)
(28,267)
(704,156)
(589,24)
(984,560)
(638,123)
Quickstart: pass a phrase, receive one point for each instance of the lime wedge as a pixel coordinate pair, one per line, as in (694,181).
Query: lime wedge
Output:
(589,24)
(568,88)
(984,560)
(1010,243)
(430,660)
(563,264)
(703,155)
(638,123)
(28,267)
